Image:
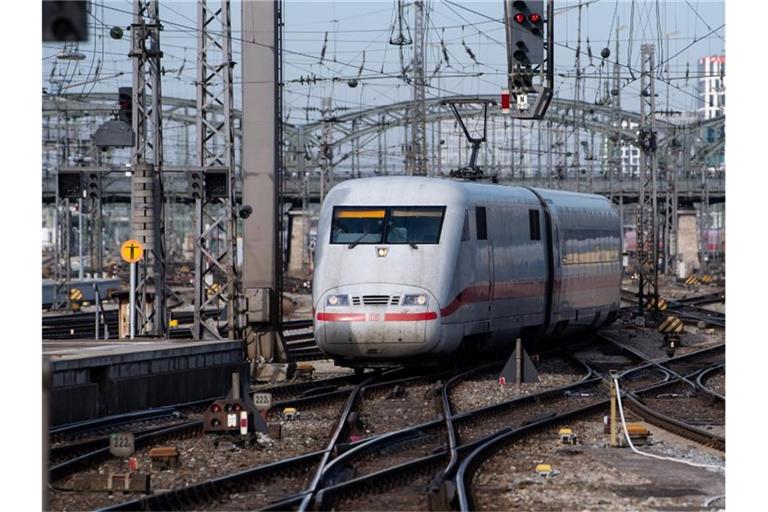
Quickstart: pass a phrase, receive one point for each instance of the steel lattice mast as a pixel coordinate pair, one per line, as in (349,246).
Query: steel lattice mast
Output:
(215,204)
(147,161)
(418,153)
(647,225)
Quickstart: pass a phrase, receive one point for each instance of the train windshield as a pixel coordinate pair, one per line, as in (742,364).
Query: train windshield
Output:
(357,225)
(392,225)
(415,225)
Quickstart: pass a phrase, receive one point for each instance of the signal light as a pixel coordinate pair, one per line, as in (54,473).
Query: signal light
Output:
(236,407)
(215,422)
(520,17)
(216,408)
(535,18)
(228,407)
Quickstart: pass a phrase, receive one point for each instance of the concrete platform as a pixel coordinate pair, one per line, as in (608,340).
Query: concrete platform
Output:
(90,379)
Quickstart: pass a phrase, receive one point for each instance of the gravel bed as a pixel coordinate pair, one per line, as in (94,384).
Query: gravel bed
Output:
(697,363)
(479,427)
(695,410)
(649,341)
(410,497)
(380,413)
(204,457)
(265,492)
(135,426)
(717,383)
(485,390)
(394,454)
(592,476)
(641,379)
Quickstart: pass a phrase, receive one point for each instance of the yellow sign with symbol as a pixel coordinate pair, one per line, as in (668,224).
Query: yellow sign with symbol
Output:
(132,251)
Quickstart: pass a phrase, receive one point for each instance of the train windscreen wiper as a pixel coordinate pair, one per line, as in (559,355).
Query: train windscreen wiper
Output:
(353,244)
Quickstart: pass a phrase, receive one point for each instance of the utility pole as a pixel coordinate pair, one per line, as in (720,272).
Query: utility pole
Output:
(614,147)
(418,153)
(213,184)
(147,161)
(576,162)
(647,234)
(326,148)
(262,169)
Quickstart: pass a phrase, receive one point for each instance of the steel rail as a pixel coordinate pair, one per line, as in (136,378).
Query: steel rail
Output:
(706,374)
(66,468)
(470,464)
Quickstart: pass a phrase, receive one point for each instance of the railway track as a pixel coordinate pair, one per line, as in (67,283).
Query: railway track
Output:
(650,403)
(689,308)
(411,468)
(646,380)
(715,373)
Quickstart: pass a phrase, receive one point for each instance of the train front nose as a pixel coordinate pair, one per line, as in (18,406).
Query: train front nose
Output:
(377,322)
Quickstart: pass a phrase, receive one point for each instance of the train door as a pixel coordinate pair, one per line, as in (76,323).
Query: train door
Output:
(483,265)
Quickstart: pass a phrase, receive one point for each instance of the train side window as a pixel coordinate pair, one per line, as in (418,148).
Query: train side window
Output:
(465,228)
(482,229)
(533,222)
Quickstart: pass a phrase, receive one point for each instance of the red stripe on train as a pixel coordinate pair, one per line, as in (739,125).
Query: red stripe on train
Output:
(409,317)
(341,317)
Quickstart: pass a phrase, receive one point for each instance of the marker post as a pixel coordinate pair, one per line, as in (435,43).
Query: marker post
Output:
(132,300)
(132,251)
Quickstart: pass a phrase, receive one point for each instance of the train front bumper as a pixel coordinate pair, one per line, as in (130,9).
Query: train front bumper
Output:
(374,323)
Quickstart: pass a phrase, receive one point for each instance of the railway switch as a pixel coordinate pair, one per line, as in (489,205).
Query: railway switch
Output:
(567,436)
(275,430)
(304,371)
(638,434)
(544,470)
(671,328)
(290,414)
(164,457)
(397,392)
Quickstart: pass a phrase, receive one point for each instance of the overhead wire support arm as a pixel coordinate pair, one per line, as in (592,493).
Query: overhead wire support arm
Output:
(471,171)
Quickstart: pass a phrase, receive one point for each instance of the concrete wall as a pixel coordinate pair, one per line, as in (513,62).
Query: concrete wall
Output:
(296,245)
(688,245)
(87,388)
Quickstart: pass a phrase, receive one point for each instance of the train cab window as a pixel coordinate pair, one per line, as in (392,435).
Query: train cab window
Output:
(414,224)
(357,225)
(482,229)
(534,224)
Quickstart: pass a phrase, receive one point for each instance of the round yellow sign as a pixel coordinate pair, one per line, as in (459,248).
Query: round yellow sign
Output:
(132,251)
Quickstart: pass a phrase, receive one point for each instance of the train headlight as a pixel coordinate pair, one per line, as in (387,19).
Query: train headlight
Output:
(414,300)
(337,300)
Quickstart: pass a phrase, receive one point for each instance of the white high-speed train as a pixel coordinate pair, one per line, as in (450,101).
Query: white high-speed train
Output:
(412,269)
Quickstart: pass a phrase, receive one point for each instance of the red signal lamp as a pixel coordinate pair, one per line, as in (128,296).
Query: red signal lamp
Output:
(216,408)
(519,18)
(535,18)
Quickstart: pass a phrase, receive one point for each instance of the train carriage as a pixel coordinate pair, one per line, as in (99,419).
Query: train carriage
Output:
(411,269)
